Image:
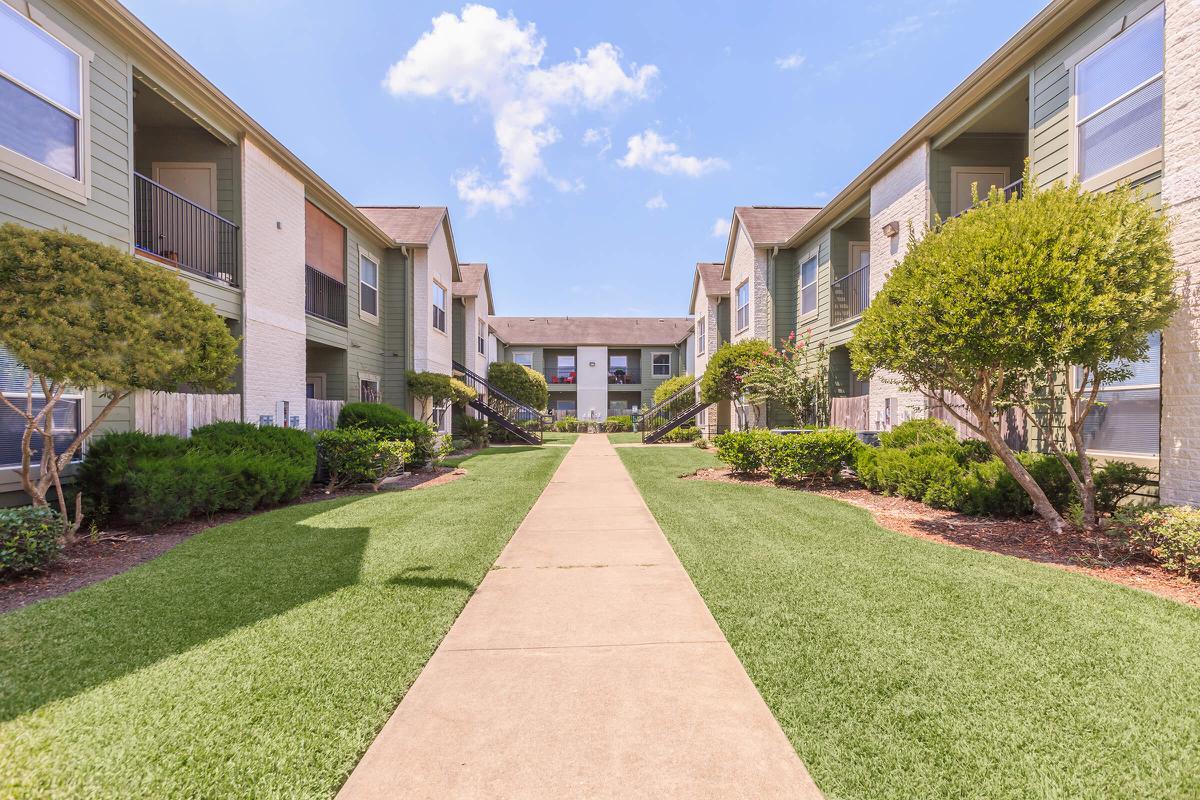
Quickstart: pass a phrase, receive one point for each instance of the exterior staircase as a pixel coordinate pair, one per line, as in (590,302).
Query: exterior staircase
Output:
(523,422)
(662,418)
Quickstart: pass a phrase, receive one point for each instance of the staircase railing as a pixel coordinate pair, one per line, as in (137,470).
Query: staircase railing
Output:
(523,421)
(672,412)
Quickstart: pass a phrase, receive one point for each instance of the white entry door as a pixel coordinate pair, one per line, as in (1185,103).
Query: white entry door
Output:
(961,179)
(194,181)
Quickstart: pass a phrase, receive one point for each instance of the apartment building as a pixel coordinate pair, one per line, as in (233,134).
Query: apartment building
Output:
(1102,91)
(709,308)
(105,131)
(597,367)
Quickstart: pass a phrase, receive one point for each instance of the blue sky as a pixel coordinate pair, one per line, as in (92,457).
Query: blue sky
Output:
(588,152)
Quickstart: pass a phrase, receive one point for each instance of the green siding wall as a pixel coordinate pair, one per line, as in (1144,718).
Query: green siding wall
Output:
(459,333)
(396,301)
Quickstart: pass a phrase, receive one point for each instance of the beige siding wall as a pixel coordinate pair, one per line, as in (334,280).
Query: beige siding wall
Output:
(1180,460)
(750,263)
(432,349)
(901,196)
(273,242)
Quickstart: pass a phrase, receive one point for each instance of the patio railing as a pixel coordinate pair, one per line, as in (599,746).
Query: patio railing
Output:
(180,233)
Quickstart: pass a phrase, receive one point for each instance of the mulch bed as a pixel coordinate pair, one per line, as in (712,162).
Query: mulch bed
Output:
(1032,540)
(111,552)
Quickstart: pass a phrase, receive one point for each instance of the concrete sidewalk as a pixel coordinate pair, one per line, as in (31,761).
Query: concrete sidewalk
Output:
(586,665)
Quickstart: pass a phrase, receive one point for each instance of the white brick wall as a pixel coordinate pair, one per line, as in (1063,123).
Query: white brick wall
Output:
(901,196)
(1180,462)
(706,307)
(432,349)
(750,262)
(273,266)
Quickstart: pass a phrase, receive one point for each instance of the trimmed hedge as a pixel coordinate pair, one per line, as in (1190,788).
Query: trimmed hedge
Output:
(390,423)
(150,481)
(358,455)
(30,538)
(788,457)
(684,433)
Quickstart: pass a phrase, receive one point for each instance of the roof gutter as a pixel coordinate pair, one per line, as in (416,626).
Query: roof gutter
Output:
(1055,18)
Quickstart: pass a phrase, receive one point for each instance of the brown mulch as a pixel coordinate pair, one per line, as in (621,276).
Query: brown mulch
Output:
(111,552)
(1032,540)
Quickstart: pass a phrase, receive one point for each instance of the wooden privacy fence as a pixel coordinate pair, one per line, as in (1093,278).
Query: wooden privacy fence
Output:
(323,414)
(850,412)
(178,413)
(1012,422)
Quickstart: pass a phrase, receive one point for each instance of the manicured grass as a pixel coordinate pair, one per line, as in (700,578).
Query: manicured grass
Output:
(626,437)
(905,668)
(260,658)
(554,437)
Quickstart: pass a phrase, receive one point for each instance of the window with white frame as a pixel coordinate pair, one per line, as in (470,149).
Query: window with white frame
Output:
(482,337)
(660,365)
(701,336)
(368,389)
(368,283)
(439,307)
(41,97)
(742,296)
(523,357)
(68,414)
(808,286)
(1119,98)
(1126,417)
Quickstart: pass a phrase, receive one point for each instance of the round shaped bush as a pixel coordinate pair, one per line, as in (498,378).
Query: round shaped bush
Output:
(29,539)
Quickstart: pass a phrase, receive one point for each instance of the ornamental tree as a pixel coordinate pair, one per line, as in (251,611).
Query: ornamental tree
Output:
(670,387)
(75,313)
(795,377)
(522,384)
(725,375)
(435,388)
(1029,302)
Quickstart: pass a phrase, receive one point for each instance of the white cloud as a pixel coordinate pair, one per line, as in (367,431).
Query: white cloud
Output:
(650,151)
(600,136)
(793,61)
(656,202)
(720,228)
(481,58)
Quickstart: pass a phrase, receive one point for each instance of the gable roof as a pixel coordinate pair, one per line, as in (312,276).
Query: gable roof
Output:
(407,225)
(635,331)
(474,279)
(767,226)
(708,279)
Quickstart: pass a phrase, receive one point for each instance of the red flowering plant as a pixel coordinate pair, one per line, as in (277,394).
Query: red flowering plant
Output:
(795,377)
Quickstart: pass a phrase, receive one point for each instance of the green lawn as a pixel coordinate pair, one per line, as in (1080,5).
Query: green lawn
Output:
(553,437)
(625,438)
(905,668)
(258,659)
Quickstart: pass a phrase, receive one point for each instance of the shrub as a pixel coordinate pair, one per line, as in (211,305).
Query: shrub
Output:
(108,464)
(520,383)
(293,451)
(566,425)
(1168,534)
(475,431)
(684,433)
(819,454)
(975,450)
(669,387)
(742,450)
(917,432)
(916,473)
(390,423)
(358,455)
(728,367)
(619,424)
(1116,481)
(30,538)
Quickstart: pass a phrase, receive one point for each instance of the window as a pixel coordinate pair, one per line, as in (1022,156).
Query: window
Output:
(41,99)
(808,286)
(525,359)
(1119,98)
(441,416)
(700,336)
(482,338)
(743,306)
(1126,417)
(67,414)
(564,408)
(439,307)
(368,389)
(368,280)
(660,365)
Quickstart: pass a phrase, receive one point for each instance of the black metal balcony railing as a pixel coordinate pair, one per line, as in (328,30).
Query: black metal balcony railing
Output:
(324,297)
(179,232)
(561,375)
(849,296)
(624,376)
(1014,189)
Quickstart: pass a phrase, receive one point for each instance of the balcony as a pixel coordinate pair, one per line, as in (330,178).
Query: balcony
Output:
(558,375)
(850,296)
(177,232)
(324,297)
(1010,192)
(622,376)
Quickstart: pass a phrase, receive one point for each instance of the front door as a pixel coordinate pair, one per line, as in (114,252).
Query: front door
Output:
(961,179)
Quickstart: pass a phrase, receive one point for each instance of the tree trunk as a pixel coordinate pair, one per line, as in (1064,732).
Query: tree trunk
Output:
(1041,503)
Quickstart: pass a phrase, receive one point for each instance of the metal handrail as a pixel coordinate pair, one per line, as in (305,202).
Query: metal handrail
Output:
(850,295)
(668,410)
(183,233)
(515,412)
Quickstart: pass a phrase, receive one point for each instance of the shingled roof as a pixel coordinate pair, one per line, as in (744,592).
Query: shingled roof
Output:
(473,282)
(637,331)
(710,277)
(768,226)
(410,225)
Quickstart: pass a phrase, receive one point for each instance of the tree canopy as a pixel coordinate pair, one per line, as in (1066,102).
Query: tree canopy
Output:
(728,367)
(519,382)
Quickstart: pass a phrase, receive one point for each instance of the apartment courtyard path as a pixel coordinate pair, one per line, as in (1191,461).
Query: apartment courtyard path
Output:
(585,665)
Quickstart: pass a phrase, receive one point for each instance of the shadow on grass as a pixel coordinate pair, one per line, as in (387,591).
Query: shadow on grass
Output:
(504,450)
(409,580)
(221,580)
